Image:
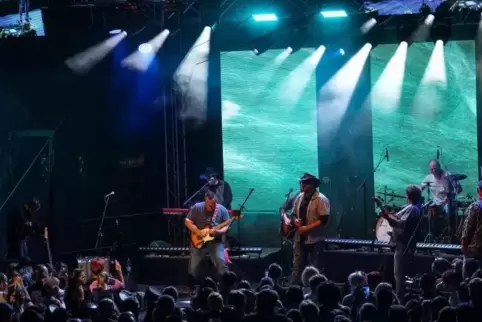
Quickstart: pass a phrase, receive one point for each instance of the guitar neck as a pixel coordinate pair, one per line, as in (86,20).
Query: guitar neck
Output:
(224,224)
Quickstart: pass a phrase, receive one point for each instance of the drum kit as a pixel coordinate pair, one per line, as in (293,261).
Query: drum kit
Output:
(436,226)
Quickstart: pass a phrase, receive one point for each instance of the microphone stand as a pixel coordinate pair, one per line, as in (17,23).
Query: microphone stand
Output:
(241,209)
(188,201)
(100,233)
(365,212)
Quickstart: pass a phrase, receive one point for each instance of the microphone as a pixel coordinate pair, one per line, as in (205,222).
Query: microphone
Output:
(438,152)
(109,194)
(387,155)
(289,192)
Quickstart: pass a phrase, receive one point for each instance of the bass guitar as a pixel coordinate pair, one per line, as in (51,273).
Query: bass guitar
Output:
(198,242)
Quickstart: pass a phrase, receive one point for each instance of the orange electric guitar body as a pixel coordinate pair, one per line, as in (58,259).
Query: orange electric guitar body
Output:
(198,242)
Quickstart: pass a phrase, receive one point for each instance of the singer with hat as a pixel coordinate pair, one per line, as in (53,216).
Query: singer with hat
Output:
(221,189)
(311,210)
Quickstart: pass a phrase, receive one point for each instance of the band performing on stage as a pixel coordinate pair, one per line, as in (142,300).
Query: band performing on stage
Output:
(433,212)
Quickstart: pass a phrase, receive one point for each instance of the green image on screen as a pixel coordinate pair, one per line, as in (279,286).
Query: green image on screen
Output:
(433,110)
(269,125)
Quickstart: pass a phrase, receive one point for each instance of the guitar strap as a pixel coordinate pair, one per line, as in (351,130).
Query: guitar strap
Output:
(215,214)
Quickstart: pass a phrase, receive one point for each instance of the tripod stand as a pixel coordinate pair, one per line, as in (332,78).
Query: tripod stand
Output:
(100,232)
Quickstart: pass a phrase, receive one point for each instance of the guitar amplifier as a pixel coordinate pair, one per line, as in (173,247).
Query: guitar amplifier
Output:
(84,263)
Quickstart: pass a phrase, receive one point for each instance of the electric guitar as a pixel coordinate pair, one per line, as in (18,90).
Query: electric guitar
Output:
(198,242)
(287,230)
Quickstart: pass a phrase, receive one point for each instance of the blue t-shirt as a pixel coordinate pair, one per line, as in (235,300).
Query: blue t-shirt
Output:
(201,218)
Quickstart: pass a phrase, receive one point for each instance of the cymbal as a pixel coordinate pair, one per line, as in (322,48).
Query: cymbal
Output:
(457,176)
(393,195)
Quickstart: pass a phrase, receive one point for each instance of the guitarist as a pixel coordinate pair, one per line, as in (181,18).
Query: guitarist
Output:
(404,224)
(312,210)
(201,215)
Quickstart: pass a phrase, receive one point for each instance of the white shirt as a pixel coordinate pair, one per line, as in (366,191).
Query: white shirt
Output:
(439,188)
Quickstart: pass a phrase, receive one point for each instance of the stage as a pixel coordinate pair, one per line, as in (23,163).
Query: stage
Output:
(338,263)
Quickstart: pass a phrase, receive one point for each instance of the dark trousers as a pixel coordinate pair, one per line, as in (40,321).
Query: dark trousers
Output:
(306,255)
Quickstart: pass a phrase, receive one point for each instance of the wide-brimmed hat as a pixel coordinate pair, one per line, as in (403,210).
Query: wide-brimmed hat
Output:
(208,173)
(309,178)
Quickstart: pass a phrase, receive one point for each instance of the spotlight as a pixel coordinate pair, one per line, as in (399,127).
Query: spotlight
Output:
(425,9)
(265,17)
(115,31)
(255,51)
(342,52)
(145,48)
(333,13)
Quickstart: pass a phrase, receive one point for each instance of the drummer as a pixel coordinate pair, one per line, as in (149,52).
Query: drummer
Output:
(444,188)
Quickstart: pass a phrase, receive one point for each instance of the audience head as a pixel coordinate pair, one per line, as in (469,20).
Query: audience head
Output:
(329,295)
(469,267)
(383,298)
(294,296)
(458,264)
(452,280)
(414,311)
(97,265)
(440,265)
(308,272)
(215,301)
(315,281)
(368,312)
(201,300)
(309,311)
(41,272)
(356,279)
(447,314)
(165,307)
(294,315)
(438,304)
(275,271)
(107,309)
(3,282)
(127,317)
(244,284)
(397,313)
(475,291)
(250,300)
(171,291)
(237,299)
(210,283)
(229,280)
(373,279)
(266,302)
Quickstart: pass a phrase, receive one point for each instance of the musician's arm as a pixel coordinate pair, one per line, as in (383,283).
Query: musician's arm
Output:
(393,221)
(189,223)
(224,215)
(323,214)
(469,228)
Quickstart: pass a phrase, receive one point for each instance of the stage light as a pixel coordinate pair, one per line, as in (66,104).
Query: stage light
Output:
(145,48)
(289,49)
(265,17)
(334,13)
(342,52)
(255,51)
(115,31)
(441,30)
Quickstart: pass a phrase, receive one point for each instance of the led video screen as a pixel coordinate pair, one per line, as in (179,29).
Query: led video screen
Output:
(424,111)
(269,124)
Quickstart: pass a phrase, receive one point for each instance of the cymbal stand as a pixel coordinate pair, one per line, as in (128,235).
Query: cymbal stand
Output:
(429,237)
(241,209)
